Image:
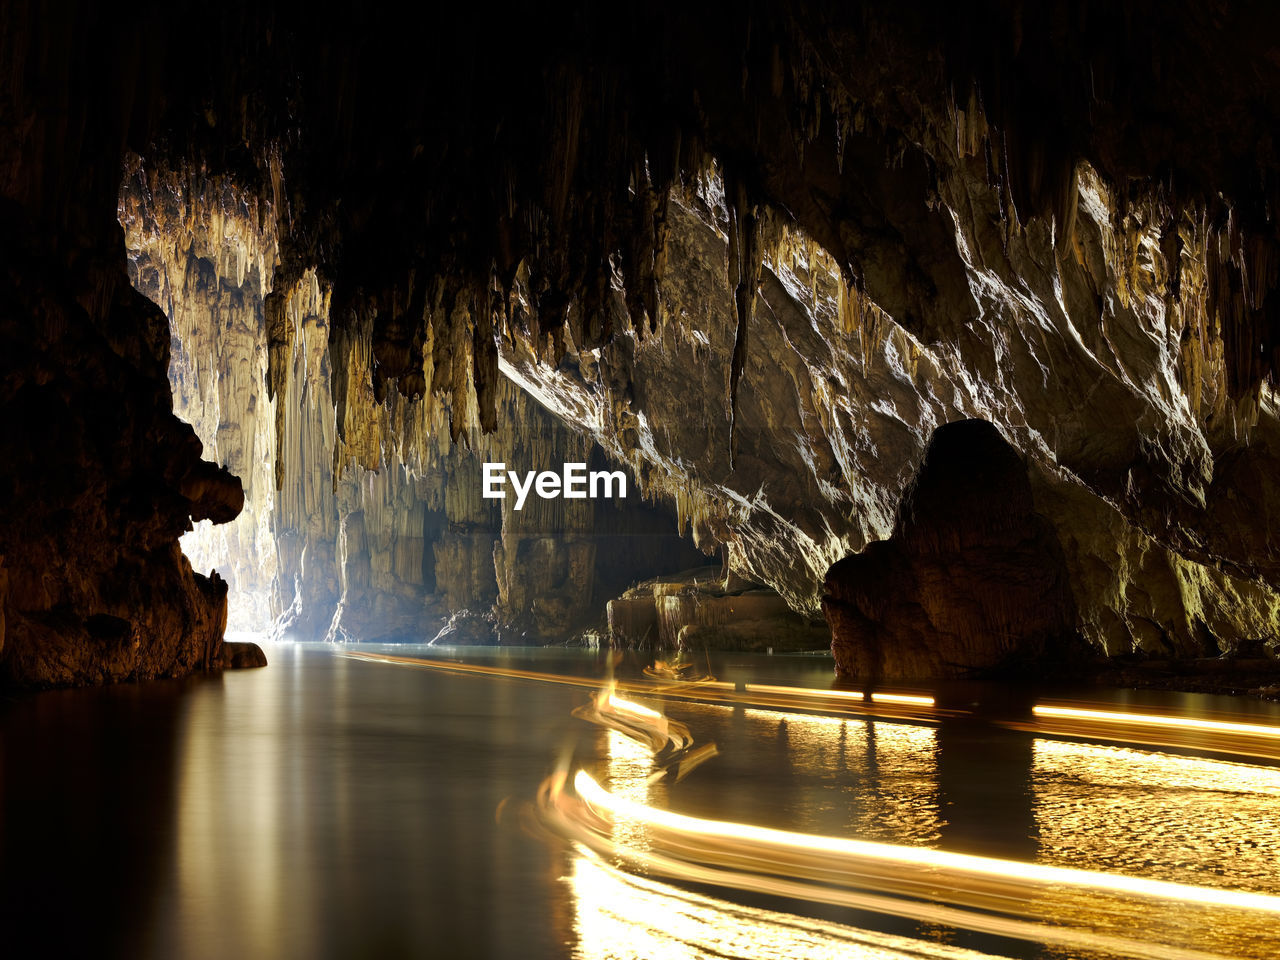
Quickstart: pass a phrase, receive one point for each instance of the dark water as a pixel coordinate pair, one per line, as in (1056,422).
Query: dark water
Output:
(330,807)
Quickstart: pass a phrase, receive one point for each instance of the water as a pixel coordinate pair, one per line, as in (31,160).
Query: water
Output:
(330,807)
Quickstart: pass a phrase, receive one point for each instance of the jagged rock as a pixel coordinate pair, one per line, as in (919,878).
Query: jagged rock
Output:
(100,480)
(834,416)
(364,519)
(466,628)
(971,581)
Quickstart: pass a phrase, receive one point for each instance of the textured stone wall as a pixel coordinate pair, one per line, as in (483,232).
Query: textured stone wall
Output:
(364,517)
(1158,485)
(1112,389)
(1056,217)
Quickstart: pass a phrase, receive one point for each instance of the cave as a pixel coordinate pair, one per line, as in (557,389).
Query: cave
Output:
(922,352)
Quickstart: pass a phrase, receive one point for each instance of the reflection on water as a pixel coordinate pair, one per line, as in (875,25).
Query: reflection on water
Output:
(878,779)
(628,768)
(967,786)
(984,792)
(327,807)
(233,830)
(1152,815)
(317,808)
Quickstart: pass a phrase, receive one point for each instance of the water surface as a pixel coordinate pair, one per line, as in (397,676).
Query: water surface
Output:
(330,807)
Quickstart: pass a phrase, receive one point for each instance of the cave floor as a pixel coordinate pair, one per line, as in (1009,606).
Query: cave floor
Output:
(334,807)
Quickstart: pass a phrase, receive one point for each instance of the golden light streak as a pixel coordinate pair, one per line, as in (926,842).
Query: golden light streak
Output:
(802,691)
(597,796)
(902,698)
(905,698)
(913,709)
(779,872)
(1157,720)
(635,709)
(623,916)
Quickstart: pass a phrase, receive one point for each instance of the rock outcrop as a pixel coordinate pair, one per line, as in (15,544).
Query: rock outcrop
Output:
(707,609)
(972,580)
(835,412)
(99,481)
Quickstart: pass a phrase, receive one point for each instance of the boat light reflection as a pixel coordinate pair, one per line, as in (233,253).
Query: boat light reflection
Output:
(598,797)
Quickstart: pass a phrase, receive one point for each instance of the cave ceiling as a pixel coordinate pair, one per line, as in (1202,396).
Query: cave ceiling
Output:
(421,159)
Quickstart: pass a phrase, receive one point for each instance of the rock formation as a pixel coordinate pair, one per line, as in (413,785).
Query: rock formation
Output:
(100,479)
(972,580)
(835,414)
(709,609)
(377,529)
(758,257)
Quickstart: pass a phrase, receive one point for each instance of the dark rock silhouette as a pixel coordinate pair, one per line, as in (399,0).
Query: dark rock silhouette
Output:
(972,580)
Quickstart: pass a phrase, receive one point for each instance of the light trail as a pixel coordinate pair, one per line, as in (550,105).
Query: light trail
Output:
(620,914)
(769,837)
(809,692)
(636,721)
(635,709)
(890,706)
(1247,741)
(1157,720)
(1225,738)
(1061,906)
(737,856)
(902,698)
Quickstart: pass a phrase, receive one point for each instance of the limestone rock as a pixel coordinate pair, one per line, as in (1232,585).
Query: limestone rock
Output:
(241,655)
(972,580)
(756,258)
(702,609)
(100,481)
(835,413)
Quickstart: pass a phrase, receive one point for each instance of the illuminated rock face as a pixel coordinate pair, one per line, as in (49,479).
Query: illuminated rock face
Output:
(402,540)
(835,408)
(1099,380)
(706,608)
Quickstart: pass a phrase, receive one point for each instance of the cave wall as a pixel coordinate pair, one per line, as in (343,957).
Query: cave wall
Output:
(210,278)
(100,480)
(1113,389)
(377,529)
(1059,217)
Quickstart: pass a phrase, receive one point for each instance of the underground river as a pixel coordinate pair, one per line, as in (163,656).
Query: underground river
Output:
(340,806)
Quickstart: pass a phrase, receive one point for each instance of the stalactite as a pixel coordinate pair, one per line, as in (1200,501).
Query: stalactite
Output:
(485,362)
(746,258)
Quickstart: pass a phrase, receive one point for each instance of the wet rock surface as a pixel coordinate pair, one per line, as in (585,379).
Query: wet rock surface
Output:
(240,655)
